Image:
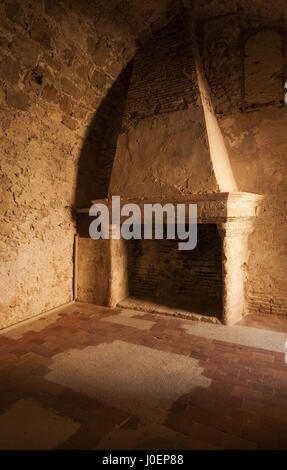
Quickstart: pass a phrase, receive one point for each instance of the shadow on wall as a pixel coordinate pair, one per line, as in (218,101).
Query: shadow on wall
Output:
(97,155)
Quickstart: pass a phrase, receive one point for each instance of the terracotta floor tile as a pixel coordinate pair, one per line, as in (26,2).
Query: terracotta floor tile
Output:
(242,405)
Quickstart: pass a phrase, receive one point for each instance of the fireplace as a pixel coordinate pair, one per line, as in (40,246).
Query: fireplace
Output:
(220,262)
(171,150)
(163,278)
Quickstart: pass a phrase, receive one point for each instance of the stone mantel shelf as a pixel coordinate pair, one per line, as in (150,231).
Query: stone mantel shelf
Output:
(211,207)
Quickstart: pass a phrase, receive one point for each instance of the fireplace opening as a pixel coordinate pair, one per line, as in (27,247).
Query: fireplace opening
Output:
(161,276)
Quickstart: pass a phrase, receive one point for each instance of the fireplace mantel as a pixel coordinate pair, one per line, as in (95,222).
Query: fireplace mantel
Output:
(211,207)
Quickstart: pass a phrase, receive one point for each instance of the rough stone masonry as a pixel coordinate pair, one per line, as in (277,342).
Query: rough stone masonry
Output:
(65,111)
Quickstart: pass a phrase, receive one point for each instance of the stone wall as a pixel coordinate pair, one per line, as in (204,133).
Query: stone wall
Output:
(58,61)
(64,67)
(163,73)
(54,70)
(245,63)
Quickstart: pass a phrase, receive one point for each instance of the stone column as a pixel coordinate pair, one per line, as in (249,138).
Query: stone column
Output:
(234,235)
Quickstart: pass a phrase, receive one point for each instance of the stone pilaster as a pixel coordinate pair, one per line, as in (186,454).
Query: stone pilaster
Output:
(235,254)
(118,270)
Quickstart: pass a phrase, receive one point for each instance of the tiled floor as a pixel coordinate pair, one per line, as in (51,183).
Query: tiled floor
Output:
(88,377)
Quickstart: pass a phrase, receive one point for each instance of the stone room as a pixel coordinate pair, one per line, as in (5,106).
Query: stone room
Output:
(143,234)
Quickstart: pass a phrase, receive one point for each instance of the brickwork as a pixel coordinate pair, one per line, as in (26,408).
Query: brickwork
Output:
(158,271)
(163,78)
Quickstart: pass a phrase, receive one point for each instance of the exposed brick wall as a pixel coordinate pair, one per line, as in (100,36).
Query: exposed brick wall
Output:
(163,74)
(158,271)
(262,302)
